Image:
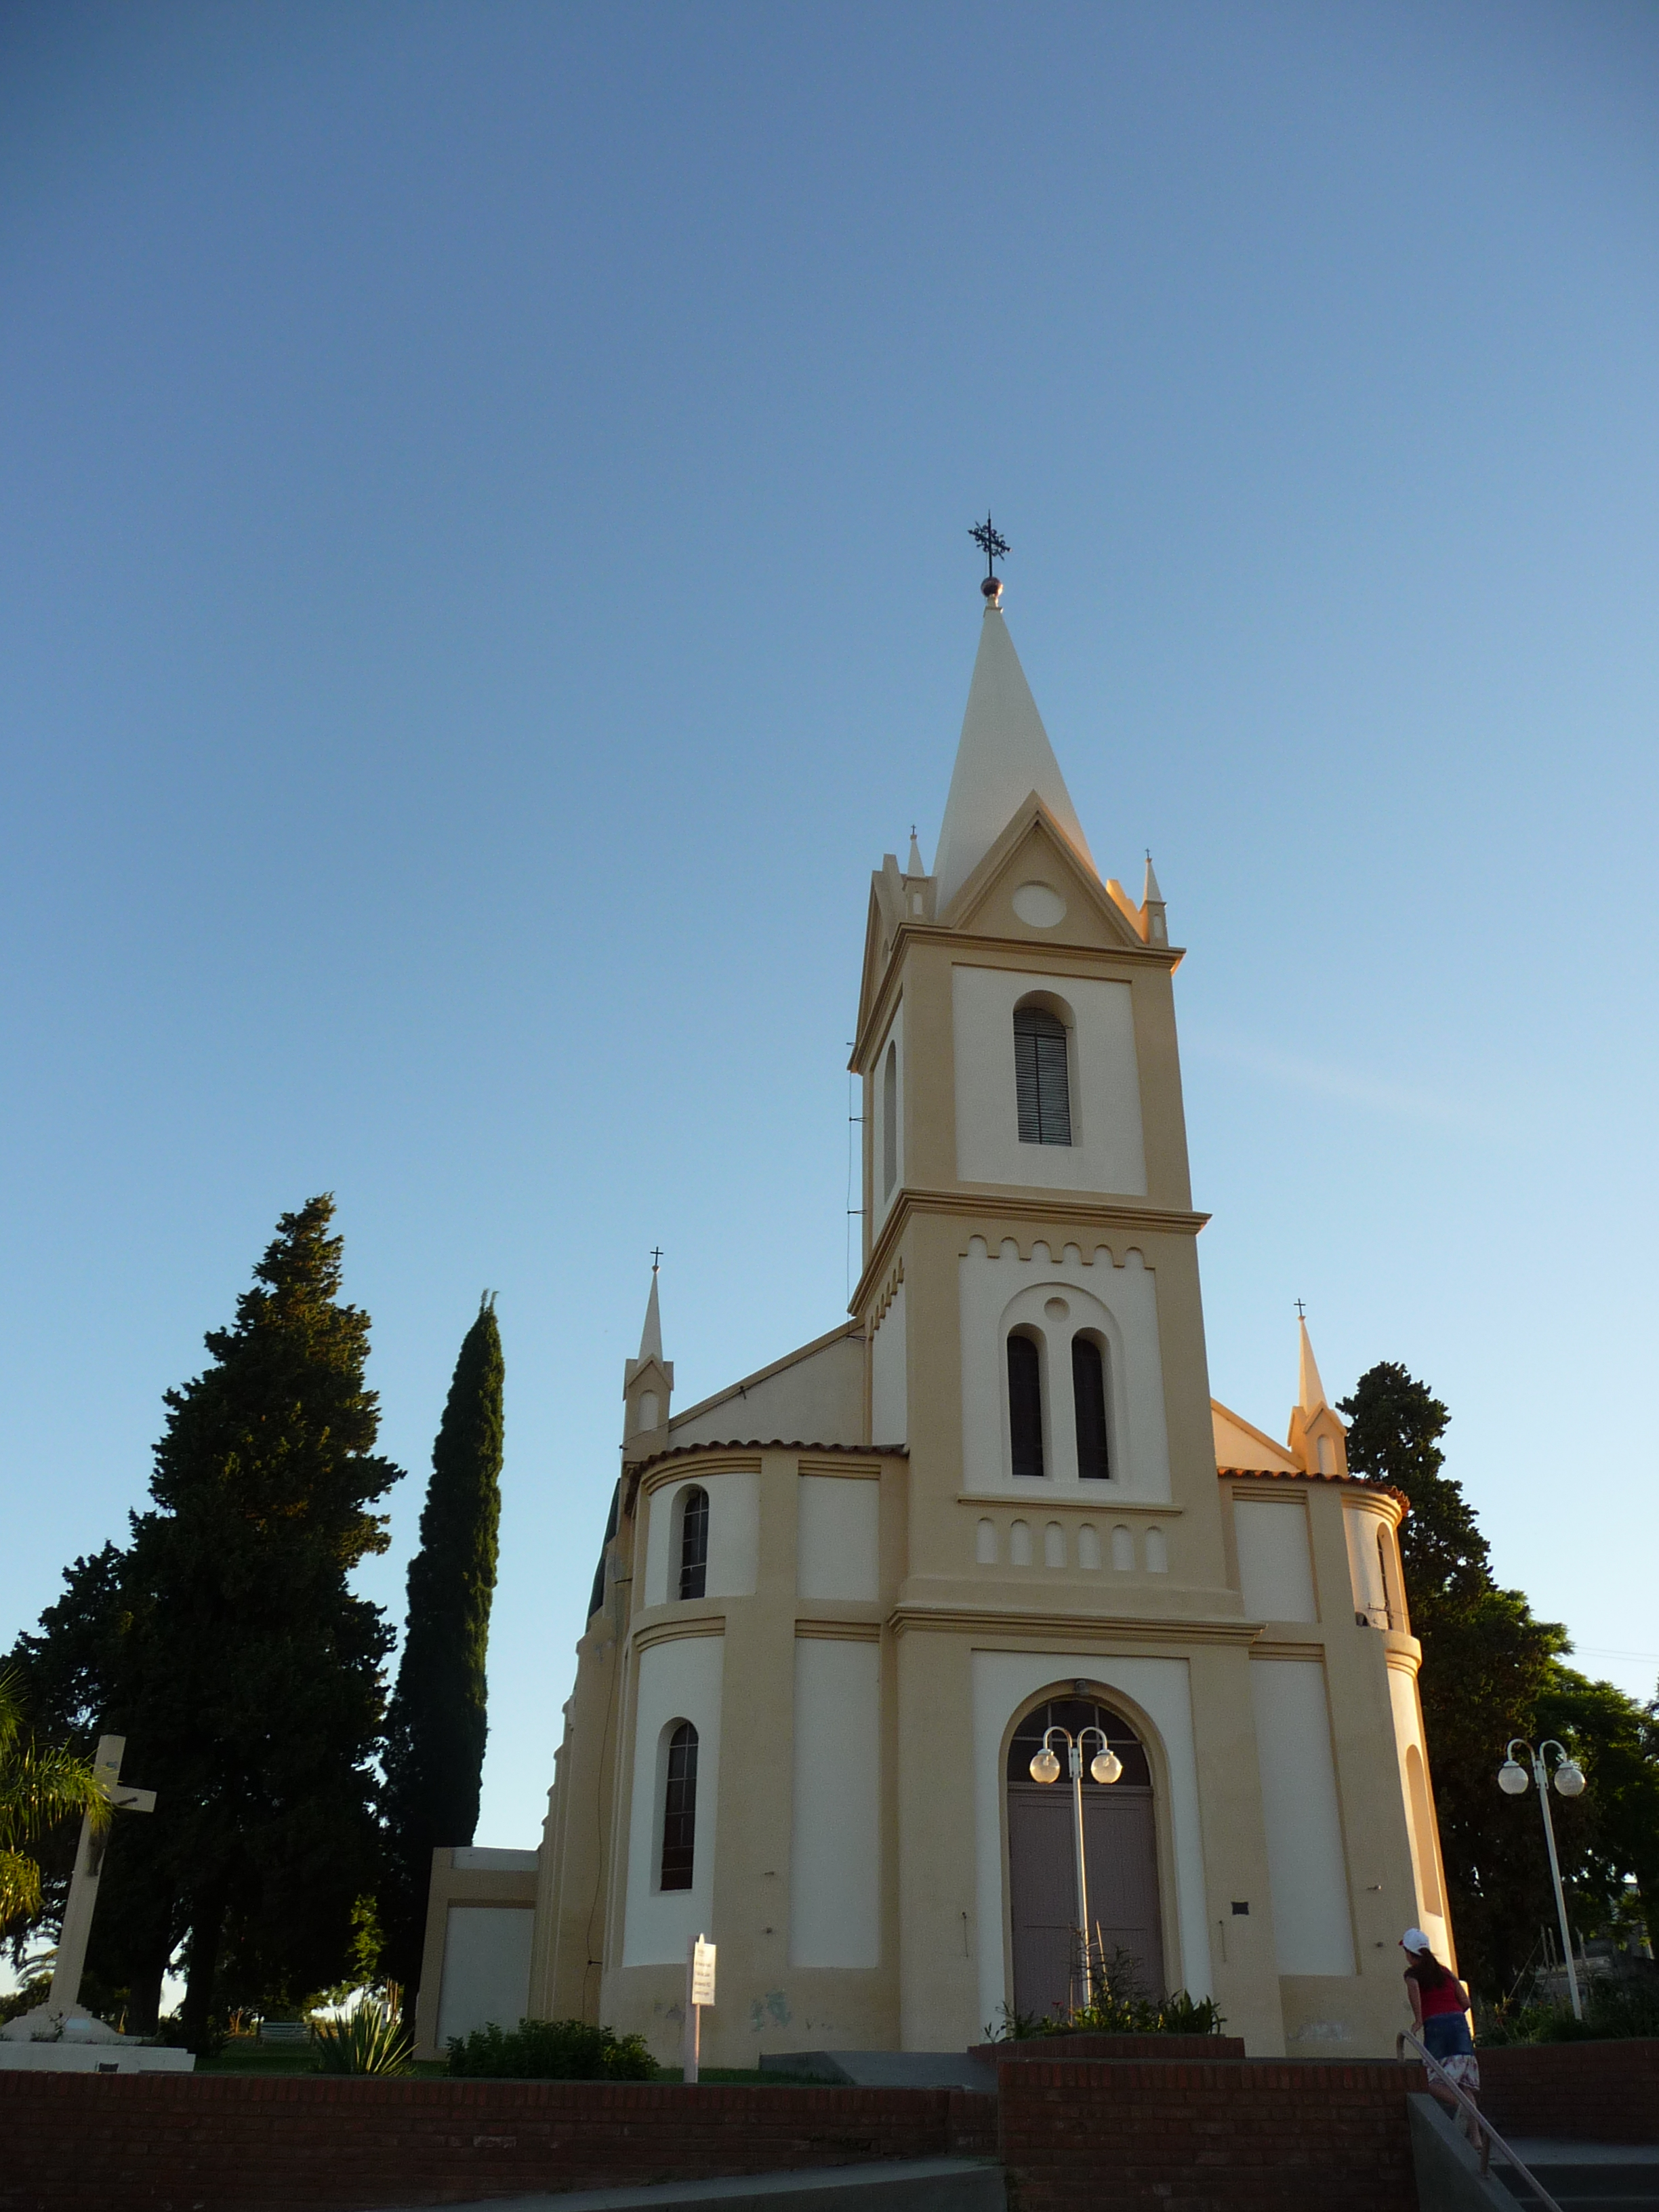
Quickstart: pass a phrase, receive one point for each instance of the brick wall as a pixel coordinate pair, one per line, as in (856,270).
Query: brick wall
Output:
(1068,2049)
(1262,2135)
(229,2144)
(1577,2092)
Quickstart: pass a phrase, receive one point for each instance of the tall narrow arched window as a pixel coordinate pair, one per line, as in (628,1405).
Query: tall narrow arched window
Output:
(889,1121)
(694,1542)
(1025,1405)
(680,1809)
(1089,1403)
(1382,1575)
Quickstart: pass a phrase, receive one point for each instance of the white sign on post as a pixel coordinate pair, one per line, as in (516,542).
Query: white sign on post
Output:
(699,1992)
(703,1973)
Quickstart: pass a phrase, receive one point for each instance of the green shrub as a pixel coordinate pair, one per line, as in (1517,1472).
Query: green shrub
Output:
(552,2051)
(1613,2011)
(370,2039)
(1120,2008)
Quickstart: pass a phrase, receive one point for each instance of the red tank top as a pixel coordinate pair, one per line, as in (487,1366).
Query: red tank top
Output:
(1439,1998)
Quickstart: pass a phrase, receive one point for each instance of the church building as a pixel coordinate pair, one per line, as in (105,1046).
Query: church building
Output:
(839,1603)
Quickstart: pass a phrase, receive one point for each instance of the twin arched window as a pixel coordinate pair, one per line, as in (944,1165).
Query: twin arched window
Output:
(693,1553)
(1042,1087)
(680,1809)
(1088,1408)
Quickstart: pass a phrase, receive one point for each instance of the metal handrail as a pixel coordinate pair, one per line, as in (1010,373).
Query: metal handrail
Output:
(1494,2140)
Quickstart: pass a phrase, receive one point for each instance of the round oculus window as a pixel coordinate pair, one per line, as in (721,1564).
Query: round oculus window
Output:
(1040,904)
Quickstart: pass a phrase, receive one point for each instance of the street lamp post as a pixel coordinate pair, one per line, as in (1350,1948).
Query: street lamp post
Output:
(1570,1781)
(1105,1766)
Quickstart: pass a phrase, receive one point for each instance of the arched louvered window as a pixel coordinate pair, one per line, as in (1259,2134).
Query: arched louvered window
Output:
(889,1121)
(694,1542)
(1089,1404)
(1025,1405)
(1042,1087)
(680,1809)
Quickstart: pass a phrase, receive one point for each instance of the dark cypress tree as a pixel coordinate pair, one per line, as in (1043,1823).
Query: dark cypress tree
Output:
(226,1644)
(437,1724)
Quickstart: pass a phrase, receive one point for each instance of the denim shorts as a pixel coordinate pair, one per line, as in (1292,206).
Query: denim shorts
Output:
(1447,2035)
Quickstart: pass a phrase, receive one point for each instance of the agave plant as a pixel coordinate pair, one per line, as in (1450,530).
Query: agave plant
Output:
(39,1785)
(370,2039)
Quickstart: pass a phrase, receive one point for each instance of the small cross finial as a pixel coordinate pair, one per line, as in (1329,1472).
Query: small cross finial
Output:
(1300,1310)
(656,1257)
(994,546)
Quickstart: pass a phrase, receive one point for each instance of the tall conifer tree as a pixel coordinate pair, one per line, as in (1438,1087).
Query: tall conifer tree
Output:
(439,1723)
(225,1644)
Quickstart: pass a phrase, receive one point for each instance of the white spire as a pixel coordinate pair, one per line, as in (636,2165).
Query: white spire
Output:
(651,1336)
(912,866)
(1004,755)
(1310,1391)
(1151,896)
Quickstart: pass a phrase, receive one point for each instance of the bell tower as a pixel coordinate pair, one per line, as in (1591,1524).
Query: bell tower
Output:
(1030,1286)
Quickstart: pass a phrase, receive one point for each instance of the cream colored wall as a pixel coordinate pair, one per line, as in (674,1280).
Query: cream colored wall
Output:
(815,1396)
(835,1851)
(839,1538)
(733,1534)
(1371,1595)
(678,1680)
(1307,1865)
(889,1381)
(1275,1569)
(486,1969)
(881,1197)
(1001,1292)
(1427,1873)
(1105,1153)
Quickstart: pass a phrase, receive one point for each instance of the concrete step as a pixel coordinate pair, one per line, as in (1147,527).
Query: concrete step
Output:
(1587,2176)
(888,2069)
(896,2184)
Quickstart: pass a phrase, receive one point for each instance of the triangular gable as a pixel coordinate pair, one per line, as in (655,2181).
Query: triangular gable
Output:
(1034,829)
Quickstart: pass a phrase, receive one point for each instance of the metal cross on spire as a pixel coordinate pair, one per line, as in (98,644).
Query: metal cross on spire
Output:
(994,546)
(656,1257)
(1300,1310)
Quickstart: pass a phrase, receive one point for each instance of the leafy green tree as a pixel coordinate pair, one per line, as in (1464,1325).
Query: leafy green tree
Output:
(1615,1826)
(1490,1671)
(226,1644)
(437,1724)
(41,1786)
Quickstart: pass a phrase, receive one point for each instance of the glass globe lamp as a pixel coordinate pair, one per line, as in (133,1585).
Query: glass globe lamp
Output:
(1106,1765)
(1570,1777)
(1512,1778)
(1045,1767)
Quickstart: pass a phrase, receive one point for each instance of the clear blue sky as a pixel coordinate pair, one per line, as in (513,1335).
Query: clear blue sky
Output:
(484,495)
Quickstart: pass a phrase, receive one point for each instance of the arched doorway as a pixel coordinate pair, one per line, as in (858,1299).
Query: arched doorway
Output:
(1121,1848)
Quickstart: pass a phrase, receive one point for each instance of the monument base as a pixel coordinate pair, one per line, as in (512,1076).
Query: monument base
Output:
(46,2042)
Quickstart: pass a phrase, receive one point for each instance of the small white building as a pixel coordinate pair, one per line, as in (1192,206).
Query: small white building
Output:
(838,1603)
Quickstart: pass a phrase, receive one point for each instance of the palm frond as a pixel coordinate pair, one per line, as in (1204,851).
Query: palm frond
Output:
(19,1888)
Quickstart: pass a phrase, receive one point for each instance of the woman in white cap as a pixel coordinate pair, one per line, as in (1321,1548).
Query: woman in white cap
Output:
(1440,2010)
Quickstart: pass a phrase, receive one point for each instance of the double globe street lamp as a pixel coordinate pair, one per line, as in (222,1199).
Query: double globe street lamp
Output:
(1569,1779)
(1105,1766)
